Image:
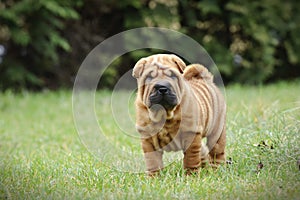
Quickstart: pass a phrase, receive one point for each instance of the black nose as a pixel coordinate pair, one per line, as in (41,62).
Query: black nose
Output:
(161,89)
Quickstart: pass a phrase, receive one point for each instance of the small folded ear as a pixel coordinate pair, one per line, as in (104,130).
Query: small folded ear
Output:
(180,64)
(139,68)
(197,71)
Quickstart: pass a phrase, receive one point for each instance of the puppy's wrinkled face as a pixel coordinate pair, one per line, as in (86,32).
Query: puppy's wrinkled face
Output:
(162,88)
(160,81)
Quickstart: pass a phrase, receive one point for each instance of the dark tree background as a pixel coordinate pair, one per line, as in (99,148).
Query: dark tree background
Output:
(43,42)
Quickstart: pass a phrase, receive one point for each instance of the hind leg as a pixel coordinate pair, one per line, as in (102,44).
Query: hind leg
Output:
(217,154)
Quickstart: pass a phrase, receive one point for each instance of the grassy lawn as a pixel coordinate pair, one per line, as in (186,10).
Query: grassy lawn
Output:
(42,156)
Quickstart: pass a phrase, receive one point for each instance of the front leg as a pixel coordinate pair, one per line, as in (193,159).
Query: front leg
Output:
(153,158)
(192,153)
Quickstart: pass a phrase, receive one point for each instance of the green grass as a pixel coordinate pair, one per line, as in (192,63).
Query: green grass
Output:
(42,157)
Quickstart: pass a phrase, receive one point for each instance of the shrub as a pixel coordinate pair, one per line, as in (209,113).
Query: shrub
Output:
(31,35)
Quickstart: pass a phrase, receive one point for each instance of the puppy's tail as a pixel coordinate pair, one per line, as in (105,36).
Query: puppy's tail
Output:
(197,71)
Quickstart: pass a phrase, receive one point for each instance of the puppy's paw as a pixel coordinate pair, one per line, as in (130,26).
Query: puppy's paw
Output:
(153,174)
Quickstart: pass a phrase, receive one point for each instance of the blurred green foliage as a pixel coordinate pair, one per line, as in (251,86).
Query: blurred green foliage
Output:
(45,41)
(30,32)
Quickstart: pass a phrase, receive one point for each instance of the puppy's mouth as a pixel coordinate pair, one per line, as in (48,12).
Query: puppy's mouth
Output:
(163,95)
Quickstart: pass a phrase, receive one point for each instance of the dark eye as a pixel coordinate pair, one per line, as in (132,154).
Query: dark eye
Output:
(149,77)
(173,75)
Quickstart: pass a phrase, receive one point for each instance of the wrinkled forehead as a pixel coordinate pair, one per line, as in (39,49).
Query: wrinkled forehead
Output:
(157,65)
(160,65)
(158,69)
(162,62)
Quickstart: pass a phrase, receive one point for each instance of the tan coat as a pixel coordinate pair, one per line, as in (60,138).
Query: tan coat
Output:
(200,112)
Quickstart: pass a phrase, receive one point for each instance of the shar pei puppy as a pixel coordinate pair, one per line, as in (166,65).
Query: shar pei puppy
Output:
(176,107)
